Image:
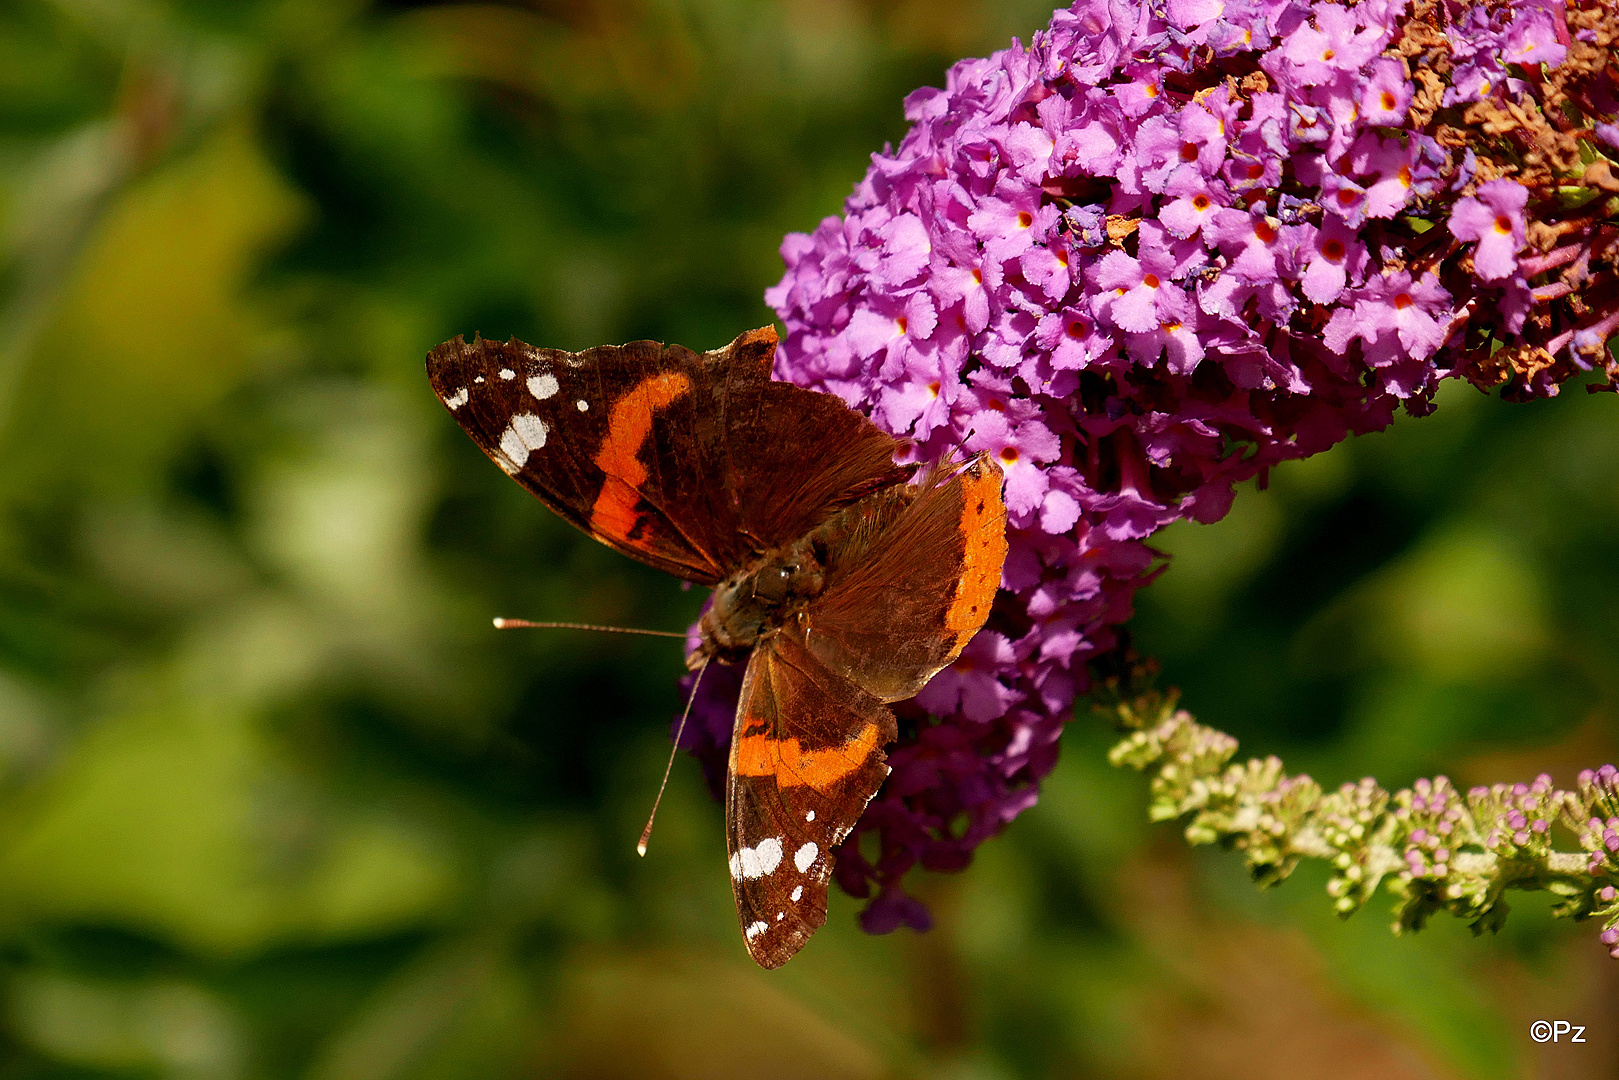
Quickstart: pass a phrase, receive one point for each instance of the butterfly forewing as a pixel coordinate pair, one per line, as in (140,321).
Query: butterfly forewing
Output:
(690,462)
(594,435)
(796,456)
(919,589)
(806,757)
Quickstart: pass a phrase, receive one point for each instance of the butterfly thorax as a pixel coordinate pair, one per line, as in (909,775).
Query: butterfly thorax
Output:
(781,582)
(759,598)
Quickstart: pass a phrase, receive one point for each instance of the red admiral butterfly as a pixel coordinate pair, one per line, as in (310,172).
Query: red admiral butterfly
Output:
(841,585)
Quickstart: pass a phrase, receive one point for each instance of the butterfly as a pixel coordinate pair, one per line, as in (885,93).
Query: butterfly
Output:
(843,580)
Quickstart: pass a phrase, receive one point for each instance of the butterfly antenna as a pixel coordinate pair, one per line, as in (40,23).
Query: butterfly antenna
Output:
(524,624)
(961,443)
(950,463)
(680,729)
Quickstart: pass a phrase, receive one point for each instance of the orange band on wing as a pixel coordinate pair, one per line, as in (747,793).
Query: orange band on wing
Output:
(614,512)
(983,528)
(794,766)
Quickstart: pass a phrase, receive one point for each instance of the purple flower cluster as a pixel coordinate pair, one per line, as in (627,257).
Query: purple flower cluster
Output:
(1440,825)
(1164,247)
(1597,802)
(1600,835)
(1522,816)
(1435,835)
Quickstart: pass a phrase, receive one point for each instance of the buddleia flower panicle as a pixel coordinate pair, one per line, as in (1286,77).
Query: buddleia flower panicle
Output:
(1163,247)
(1434,849)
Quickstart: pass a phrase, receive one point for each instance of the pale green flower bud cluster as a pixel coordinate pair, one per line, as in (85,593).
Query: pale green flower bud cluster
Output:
(1437,849)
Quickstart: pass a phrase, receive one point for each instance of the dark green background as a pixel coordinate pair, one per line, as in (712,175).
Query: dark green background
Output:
(275,801)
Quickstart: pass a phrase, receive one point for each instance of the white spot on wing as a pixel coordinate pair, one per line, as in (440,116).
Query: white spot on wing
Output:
(507,373)
(735,864)
(542,386)
(780,915)
(479,379)
(761,860)
(457,399)
(805,856)
(810,816)
(798,890)
(584,406)
(755,929)
(524,434)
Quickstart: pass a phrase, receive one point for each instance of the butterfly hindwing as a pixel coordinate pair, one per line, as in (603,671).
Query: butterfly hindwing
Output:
(906,602)
(690,462)
(806,757)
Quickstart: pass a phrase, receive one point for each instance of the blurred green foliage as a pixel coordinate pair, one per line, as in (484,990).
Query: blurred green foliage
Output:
(276,802)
